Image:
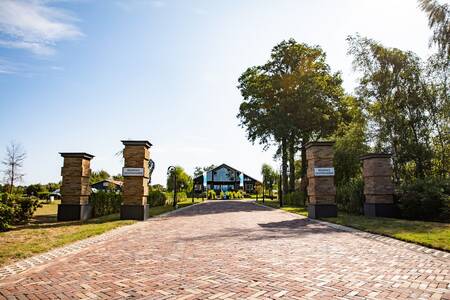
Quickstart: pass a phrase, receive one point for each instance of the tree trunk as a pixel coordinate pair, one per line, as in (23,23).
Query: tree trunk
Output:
(284,166)
(291,165)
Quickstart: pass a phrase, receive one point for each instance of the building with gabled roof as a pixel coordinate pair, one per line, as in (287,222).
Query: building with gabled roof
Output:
(223,179)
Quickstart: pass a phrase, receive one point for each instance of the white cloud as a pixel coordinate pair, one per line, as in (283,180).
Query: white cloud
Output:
(129,5)
(6,67)
(35,26)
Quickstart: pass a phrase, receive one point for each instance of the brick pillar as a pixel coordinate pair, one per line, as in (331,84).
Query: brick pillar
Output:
(75,188)
(378,185)
(136,174)
(320,173)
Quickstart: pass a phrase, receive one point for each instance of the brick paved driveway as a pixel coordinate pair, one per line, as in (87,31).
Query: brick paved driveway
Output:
(236,250)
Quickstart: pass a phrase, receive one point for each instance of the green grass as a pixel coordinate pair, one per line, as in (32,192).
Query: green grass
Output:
(43,233)
(431,234)
(38,237)
(158,210)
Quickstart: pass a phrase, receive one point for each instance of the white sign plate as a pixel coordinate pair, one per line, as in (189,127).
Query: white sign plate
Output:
(323,171)
(132,171)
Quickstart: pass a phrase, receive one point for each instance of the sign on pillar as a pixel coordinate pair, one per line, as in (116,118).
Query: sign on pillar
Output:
(378,185)
(320,173)
(135,186)
(75,187)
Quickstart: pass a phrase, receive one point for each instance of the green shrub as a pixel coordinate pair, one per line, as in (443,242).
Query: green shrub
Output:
(15,209)
(426,199)
(43,195)
(211,194)
(157,198)
(296,198)
(105,203)
(6,216)
(180,197)
(350,196)
(25,208)
(222,195)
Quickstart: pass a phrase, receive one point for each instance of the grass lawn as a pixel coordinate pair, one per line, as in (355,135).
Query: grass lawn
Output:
(43,233)
(431,234)
(155,211)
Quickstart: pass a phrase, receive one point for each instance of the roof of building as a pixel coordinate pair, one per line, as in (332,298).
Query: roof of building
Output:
(116,182)
(225,165)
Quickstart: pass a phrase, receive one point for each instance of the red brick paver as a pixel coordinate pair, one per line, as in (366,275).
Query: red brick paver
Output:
(235,250)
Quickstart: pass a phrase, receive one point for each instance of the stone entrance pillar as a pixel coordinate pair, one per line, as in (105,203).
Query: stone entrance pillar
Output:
(136,174)
(378,185)
(320,173)
(75,188)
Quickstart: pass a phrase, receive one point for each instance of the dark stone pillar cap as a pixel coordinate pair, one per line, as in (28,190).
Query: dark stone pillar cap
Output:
(137,143)
(375,155)
(77,154)
(320,144)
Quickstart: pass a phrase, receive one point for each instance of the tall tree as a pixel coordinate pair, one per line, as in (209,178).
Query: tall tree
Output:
(269,178)
(393,83)
(184,181)
(351,139)
(439,22)
(290,100)
(97,176)
(13,164)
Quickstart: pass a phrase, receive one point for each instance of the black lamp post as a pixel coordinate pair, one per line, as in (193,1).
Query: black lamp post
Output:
(264,192)
(172,169)
(280,192)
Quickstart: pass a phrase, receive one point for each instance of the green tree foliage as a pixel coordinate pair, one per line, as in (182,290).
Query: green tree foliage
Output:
(118,177)
(439,22)
(184,181)
(290,100)
(351,140)
(270,177)
(97,176)
(400,111)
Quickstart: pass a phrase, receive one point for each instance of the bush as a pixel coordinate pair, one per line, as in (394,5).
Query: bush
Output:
(25,208)
(157,198)
(295,199)
(105,203)
(43,195)
(222,195)
(426,199)
(212,194)
(239,195)
(15,209)
(6,216)
(350,196)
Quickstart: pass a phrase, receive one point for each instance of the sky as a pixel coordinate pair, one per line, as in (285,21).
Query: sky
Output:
(82,75)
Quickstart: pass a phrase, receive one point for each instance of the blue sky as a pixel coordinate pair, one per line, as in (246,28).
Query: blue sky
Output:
(82,75)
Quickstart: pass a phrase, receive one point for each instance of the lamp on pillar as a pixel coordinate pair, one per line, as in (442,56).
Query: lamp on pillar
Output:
(136,175)
(172,170)
(320,173)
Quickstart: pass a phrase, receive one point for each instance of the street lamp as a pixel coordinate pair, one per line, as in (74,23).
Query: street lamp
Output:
(172,169)
(280,185)
(264,192)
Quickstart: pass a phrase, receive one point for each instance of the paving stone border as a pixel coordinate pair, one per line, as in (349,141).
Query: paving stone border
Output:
(377,237)
(78,246)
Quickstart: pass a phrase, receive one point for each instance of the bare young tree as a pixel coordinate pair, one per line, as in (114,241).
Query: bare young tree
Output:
(13,163)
